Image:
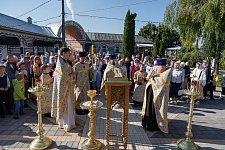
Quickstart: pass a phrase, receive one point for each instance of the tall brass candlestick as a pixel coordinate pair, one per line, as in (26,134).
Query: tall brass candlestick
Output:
(91,143)
(187,143)
(41,142)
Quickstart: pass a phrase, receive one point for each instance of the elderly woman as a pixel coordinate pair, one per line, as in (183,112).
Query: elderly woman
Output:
(199,74)
(122,65)
(184,84)
(176,81)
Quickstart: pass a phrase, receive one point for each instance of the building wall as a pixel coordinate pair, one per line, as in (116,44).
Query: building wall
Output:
(26,41)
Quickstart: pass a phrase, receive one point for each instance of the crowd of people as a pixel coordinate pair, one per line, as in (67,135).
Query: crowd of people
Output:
(69,77)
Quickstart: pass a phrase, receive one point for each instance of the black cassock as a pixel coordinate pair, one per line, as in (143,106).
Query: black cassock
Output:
(149,119)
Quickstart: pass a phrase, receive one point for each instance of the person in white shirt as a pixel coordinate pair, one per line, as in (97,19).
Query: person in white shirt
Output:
(199,74)
(177,79)
(149,66)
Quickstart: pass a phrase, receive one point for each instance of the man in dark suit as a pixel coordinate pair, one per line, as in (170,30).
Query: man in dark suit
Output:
(11,71)
(207,87)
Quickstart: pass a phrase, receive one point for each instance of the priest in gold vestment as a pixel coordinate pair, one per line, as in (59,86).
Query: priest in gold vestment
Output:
(63,102)
(83,76)
(113,70)
(155,105)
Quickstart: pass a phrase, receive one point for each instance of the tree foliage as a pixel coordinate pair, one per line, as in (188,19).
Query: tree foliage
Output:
(148,31)
(156,46)
(200,19)
(129,35)
(163,37)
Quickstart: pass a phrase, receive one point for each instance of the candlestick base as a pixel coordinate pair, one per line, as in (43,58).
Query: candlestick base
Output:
(89,144)
(186,144)
(40,143)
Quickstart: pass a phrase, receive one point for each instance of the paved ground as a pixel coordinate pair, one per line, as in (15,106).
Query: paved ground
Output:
(208,128)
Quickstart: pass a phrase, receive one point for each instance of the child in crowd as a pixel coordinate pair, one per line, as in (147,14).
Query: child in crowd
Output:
(46,81)
(21,68)
(223,86)
(140,84)
(51,69)
(18,94)
(4,86)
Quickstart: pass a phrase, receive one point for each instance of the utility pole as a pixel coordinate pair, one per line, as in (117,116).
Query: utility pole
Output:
(63,26)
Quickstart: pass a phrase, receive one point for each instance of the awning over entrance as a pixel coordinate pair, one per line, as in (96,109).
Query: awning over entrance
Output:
(42,43)
(145,45)
(6,40)
(174,48)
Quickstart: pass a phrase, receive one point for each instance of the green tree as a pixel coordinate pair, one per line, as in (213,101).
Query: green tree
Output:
(156,46)
(201,19)
(129,35)
(148,31)
(167,37)
(132,33)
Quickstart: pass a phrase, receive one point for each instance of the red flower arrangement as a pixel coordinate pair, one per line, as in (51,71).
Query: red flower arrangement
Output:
(194,83)
(38,80)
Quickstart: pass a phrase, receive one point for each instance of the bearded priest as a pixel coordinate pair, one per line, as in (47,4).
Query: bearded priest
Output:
(113,70)
(63,101)
(155,105)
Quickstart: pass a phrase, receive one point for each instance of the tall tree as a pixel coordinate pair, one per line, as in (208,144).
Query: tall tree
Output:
(148,31)
(156,46)
(129,35)
(201,19)
(132,33)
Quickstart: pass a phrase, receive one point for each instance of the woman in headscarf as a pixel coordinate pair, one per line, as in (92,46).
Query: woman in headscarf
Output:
(199,75)
(176,81)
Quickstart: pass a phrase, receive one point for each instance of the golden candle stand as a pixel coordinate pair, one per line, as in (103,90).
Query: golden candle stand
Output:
(41,142)
(91,143)
(187,143)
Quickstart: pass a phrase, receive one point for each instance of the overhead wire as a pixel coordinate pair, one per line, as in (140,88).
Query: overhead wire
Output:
(33,9)
(92,16)
(113,18)
(118,6)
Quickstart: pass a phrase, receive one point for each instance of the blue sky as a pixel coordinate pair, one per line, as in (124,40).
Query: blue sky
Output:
(148,10)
